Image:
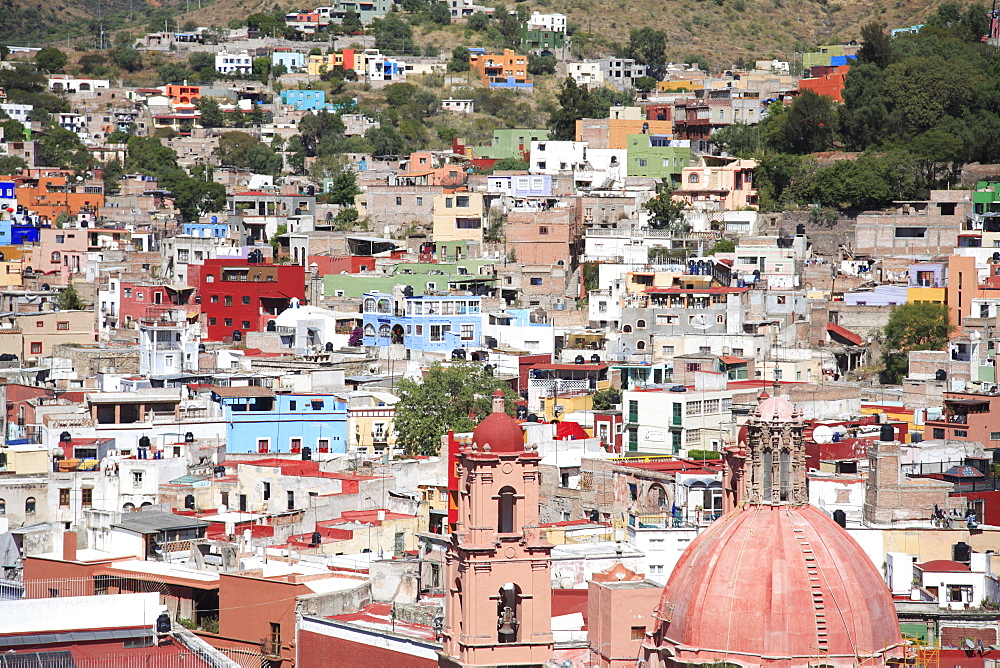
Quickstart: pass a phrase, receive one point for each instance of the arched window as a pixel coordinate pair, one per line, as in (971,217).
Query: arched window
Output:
(693,178)
(128,507)
(766,473)
(56,256)
(640,324)
(508,613)
(657,496)
(784,471)
(29,505)
(210,278)
(3,507)
(640,345)
(720,319)
(627,329)
(369,305)
(507,506)
(384,306)
(369,330)
(384,331)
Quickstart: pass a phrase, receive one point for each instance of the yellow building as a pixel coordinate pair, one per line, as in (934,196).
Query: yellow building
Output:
(569,402)
(28,459)
(458,216)
(916,295)
(680,85)
(370,422)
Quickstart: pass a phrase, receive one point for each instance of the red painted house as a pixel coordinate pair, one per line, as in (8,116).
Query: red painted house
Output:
(144,300)
(241,296)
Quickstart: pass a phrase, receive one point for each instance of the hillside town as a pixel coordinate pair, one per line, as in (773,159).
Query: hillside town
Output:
(329,349)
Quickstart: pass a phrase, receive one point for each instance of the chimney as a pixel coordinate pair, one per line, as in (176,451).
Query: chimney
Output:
(69,546)
(498,397)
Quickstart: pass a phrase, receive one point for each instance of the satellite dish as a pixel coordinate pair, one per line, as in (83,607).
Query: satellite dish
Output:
(700,321)
(823,434)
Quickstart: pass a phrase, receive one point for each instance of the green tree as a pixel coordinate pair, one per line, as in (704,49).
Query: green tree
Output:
(11,164)
(538,65)
(738,139)
(385,140)
(722,246)
(50,59)
(440,14)
(146,155)
(509,30)
(12,130)
(916,326)
(62,148)
(93,64)
(810,122)
(346,218)
(575,102)
(478,22)
(126,58)
(200,59)
(514,164)
(925,89)
(645,84)
(113,170)
(648,46)
(261,69)
(244,151)
(351,23)
(69,300)
(343,189)
(211,114)
(605,400)
(459,60)
(422,418)
(876,46)
(666,213)
(172,73)
(275,244)
(393,35)
(4,52)
(864,117)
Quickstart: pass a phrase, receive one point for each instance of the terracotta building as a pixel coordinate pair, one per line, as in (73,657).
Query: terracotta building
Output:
(501,70)
(498,597)
(813,595)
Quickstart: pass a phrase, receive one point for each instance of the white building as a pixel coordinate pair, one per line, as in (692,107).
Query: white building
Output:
(587,74)
(548,22)
(68,84)
(168,345)
(553,157)
(311,328)
(604,168)
(17,112)
(233,63)
(512,330)
(461,106)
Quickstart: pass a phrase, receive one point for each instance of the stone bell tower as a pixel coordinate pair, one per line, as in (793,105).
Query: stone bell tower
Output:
(498,607)
(775,468)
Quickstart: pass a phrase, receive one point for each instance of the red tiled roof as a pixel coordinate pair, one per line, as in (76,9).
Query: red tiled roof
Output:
(732,359)
(844,333)
(942,566)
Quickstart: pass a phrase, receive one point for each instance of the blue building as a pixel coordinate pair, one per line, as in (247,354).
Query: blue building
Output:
(24,234)
(305,100)
(261,421)
(521,185)
(292,60)
(208,230)
(430,323)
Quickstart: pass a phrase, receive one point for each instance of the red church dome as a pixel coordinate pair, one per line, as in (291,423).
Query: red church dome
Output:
(776,586)
(499,430)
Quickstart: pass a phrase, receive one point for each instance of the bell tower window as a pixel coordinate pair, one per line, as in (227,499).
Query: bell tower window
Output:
(507,503)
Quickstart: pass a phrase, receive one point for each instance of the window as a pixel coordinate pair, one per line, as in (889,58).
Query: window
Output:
(229,300)
(211,321)
(462,201)
(63,326)
(938,433)
(214,299)
(436,333)
(694,408)
(508,505)
(210,278)
(291,500)
(60,238)
(448,203)
(3,507)
(667,350)
(420,201)
(246,301)
(39,323)
(228,322)
(56,257)
(296,445)
(136,479)
(399,201)
(640,324)
(276,633)
(693,178)
(961,433)
(323,444)
(36,348)
(995,435)
(656,569)
(536,281)
(711,406)
(263,444)
(468,332)
(267,491)
(543,230)
(246,324)
(29,505)
(642,162)
(63,497)
(87,497)
(638,632)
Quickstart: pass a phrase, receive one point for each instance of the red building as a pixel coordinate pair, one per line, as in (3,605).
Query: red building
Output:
(241,296)
(143,300)
(827,81)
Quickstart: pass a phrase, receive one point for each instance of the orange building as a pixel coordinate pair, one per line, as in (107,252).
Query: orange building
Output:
(58,193)
(614,132)
(182,93)
(829,82)
(496,70)
(963,285)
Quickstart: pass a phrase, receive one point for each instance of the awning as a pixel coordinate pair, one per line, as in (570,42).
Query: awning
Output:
(730,359)
(570,431)
(844,333)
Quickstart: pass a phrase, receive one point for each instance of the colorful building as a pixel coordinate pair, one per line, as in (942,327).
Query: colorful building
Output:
(501,70)
(657,156)
(429,323)
(827,81)
(264,422)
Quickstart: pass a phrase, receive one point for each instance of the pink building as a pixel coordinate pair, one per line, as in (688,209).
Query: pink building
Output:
(719,183)
(498,601)
(620,605)
(61,253)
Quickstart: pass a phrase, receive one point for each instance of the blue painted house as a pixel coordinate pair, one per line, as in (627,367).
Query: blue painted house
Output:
(208,230)
(304,100)
(430,323)
(292,60)
(261,421)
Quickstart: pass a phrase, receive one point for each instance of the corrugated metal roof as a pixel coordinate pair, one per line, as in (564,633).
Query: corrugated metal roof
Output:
(155,521)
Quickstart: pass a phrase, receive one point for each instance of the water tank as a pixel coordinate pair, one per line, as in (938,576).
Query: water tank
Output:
(65,437)
(189,437)
(940,374)
(522,414)
(328,347)
(310,190)
(272,326)
(201,348)
(887,433)
(408,291)
(458,354)
(144,441)
(488,369)
(237,335)
(961,553)
(532,417)
(215,220)
(189,501)
(595,358)
(800,229)
(316,539)
(840,517)
(916,437)
(579,359)
(45,287)
(307,454)
(163,623)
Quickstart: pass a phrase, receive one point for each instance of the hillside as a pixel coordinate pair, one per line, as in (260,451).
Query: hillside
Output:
(718,30)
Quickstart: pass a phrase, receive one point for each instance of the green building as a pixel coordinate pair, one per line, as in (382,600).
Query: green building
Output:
(473,275)
(511,143)
(542,40)
(657,156)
